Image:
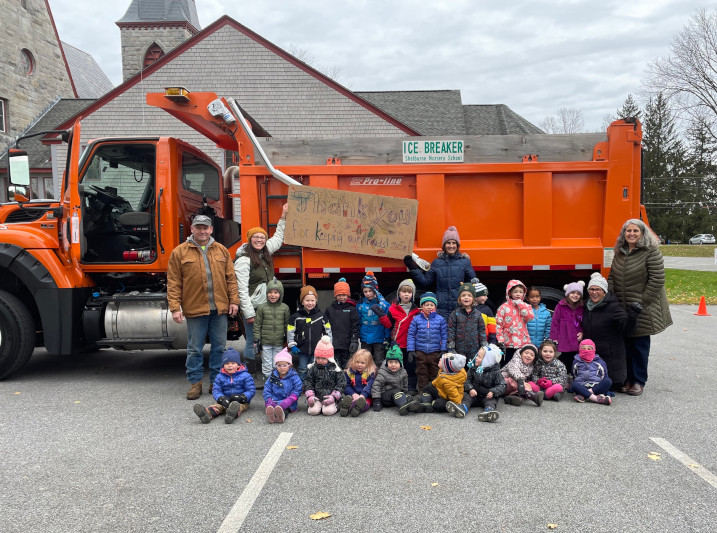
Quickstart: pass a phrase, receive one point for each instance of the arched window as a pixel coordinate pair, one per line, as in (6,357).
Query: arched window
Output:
(154,52)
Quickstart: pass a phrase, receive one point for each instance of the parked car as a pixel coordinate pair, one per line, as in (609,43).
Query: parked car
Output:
(703,238)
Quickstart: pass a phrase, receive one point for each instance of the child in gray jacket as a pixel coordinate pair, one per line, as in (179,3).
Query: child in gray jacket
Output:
(391,383)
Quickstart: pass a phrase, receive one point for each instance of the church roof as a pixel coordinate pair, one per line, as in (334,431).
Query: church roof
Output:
(90,80)
(161,11)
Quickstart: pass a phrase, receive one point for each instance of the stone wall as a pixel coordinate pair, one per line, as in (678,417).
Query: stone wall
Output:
(137,39)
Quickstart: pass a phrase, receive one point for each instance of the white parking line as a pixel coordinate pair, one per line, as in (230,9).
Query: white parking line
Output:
(241,508)
(686,460)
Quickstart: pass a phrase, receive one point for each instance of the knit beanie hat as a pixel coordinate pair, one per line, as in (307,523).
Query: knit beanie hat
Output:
(305,291)
(429,297)
(231,356)
(341,287)
(451,234)
(585,352)
(407,283)
(452,363)
(369,281)
(254,231)
(395,353)
(466,287)
(481,290)
(492,356)
(596,280)
(531,347)
(324,348)
(576,286)
(283,356)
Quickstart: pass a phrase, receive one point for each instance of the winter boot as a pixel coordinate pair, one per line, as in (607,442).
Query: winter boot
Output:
(488,415)
(521,388)
(512,399)
(195,391)
(426,401)
(536,397)
(346,405)
(457,410)
(207,414)
(358,407)
(232,412)
(401,401)
(414,404)
(557,396)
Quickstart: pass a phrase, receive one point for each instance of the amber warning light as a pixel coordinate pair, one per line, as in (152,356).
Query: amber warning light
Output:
(176,94)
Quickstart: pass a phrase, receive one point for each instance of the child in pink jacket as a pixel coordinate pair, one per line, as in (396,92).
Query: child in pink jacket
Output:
(511,319)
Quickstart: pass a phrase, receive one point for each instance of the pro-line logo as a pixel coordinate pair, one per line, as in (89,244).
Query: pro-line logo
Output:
(437,151)
(376,181)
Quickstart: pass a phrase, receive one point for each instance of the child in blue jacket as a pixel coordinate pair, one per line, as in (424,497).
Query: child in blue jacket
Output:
(233,390)
(539,327)
(427,338)
(360,373)
(282,389)
(371,308)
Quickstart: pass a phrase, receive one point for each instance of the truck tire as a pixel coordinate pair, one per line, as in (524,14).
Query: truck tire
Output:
(17,334)
(551,296)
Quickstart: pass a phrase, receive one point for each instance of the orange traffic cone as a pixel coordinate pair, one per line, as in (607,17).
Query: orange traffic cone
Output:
(702,309)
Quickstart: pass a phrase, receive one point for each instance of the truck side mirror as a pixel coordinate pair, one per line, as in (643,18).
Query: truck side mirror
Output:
(19,167)
(19,194)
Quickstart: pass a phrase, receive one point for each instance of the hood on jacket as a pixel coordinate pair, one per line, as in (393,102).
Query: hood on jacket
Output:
(275,284)
(191,239)
(241,250)
(515,283)
(443,255)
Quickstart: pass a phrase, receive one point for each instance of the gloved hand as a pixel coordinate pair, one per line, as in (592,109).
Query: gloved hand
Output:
(411,357)
(285,403)
(295,350)
(544,383)
(377,405)
(636,307)
(521,387)
(234,398)
(270,403)
(451,346)
(378,311)
(409,262)
(328,400)
(243,398)
(353,347)
(223,400)
(257,347)
(310,397)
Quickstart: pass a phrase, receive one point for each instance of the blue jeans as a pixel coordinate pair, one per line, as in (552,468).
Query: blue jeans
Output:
(599,388)
(198,328)
(304,360)
(249,337)
(638,352)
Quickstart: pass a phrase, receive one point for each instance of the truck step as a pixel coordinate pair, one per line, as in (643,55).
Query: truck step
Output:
(149,340)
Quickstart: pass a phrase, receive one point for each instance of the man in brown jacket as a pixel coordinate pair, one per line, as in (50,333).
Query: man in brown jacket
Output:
(202,287)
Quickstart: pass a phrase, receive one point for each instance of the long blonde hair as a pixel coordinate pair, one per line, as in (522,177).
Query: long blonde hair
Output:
(370,365)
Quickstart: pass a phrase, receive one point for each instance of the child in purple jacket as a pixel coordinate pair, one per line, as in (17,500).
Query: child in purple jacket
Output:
(566,327)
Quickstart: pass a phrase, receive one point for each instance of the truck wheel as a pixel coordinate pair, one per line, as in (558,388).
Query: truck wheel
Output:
(17,334)
(550,296)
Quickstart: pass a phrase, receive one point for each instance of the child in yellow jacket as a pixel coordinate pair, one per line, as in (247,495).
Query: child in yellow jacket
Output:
(446,391)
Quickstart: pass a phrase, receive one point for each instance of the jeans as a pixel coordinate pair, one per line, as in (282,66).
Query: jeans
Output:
(304,360)
(599,388)
(198,328)
(267,359)
(249,337)
(638,352)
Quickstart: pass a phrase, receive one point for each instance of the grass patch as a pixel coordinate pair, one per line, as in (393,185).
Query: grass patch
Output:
(688,250)
(687,286)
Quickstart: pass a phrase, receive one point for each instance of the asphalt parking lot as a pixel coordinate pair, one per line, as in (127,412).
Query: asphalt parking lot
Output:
(107,442)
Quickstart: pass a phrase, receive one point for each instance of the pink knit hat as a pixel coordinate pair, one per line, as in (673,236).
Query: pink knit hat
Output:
(451,234)
(283,356)
(324,348)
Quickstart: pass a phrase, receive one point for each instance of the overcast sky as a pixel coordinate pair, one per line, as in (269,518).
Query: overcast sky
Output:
(533,55)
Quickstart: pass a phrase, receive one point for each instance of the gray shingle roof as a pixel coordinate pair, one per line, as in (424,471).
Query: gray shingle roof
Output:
(90,80)
(443,113)
(162,11)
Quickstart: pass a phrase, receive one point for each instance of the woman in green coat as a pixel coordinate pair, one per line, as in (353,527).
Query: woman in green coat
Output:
(638,275)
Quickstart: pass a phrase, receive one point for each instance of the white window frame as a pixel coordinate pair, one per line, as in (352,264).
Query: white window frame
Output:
(3,115)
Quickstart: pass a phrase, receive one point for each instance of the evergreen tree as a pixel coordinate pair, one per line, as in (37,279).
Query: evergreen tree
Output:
(702,150)
(629,109)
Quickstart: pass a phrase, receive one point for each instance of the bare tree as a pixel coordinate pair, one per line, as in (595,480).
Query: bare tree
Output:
(549,125)
(332,71)
(688,76)
(607,119)
(568,120)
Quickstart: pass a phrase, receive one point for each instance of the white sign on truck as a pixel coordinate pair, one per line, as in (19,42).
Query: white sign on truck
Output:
(433,151)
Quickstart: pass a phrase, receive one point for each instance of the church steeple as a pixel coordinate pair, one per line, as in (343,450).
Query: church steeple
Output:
(151,28)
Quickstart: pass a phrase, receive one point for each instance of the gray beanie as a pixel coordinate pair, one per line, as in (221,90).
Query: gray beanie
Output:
(408,283)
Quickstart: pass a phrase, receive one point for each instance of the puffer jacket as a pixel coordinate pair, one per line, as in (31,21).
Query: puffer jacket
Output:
(639,276)
(398,321)
(427,334)
(187,279)
(447,272)
(272,319)
(277,388)
(466,332)
(606,324)
(511,319)
(539,327)
(566,324)
(345,323)
(450,386)
(324,379)
(372,331)
(555,371)
(240,382)
(593,372)
(485,380)
(306,328)
(248,276)
(359,383)
(387,381)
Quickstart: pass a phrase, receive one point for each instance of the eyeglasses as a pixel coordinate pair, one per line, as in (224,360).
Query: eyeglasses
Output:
(595,289)
(257,238)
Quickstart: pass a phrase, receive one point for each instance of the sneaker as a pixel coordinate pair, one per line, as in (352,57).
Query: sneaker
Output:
(603,400)
(580,398)
(195,391)
(346,405)
(488,416)
(357,407)
(201,412)
(512,399)
(456,410)
(279,414)
(232,412)
(270,416)
(557,396)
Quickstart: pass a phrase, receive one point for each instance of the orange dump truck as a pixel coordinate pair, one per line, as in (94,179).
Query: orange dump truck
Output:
(89,270)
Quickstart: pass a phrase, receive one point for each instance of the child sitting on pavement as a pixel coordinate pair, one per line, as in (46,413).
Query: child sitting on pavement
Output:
(516,374)
(324,380)
(591,381)
(282,389)
(445,393)
(391,383)
(360,375)
(233,390)
(549,373)
(485,384)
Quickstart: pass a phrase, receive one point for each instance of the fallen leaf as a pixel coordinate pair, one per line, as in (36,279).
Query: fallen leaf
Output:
(694,466)
(292,447)
(319,515)
(655,456)
(552,526)
(248,420)
(78,401)
(18,393)
(426,427)
(434,484)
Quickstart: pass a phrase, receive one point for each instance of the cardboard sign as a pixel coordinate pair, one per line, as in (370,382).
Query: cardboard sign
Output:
(350,222)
